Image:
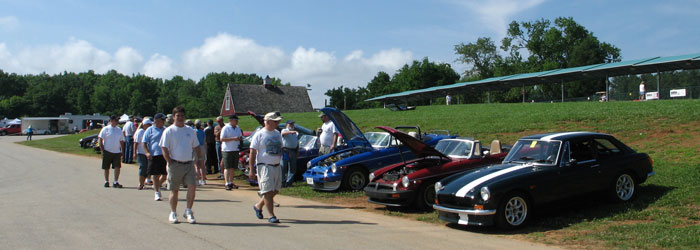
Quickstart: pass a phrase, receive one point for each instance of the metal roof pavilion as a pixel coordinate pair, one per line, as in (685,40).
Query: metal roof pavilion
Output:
(595,71)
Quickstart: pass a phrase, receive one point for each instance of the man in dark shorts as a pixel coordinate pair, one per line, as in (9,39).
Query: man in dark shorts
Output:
(212,165)
(156,161)
(230,139)
(112,146)
(179,143)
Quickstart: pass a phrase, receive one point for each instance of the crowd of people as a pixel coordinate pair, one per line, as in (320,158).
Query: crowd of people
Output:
(172,152)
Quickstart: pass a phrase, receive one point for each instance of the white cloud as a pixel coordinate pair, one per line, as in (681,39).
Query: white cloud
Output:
(228,53)
(160,66)
(9,23)
(497,14)
(220,53)
(127,60)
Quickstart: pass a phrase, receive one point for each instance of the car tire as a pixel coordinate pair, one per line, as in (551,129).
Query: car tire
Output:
(355,179)
(513,211)
(623,187)
(425,197)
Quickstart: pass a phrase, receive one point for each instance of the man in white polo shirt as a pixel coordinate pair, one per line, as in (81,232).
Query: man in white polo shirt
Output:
(230,140)
(112,145)
(178,143)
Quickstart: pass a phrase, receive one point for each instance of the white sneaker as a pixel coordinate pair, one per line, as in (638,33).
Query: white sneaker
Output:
(190,217)
(204,182)
(157,198)
(172,218)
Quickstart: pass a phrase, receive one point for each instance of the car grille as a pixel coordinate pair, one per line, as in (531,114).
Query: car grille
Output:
(391,177)
(451,201)
(380,186)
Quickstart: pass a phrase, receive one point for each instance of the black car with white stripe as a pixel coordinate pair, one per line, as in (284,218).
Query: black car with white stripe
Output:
(540,169)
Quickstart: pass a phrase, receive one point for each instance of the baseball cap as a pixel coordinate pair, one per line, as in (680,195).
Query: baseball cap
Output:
(321,114)
(113,117)
(147,121)
(197,122)
(189,122)
(233,117)
(159,116)
(273,116)
(290,121)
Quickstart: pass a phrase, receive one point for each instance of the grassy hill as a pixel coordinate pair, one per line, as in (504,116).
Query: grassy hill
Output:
(666,213)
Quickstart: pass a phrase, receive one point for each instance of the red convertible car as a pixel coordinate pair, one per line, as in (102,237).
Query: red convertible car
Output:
(411,183)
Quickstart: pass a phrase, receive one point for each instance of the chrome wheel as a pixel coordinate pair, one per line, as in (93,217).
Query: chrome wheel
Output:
(624,187)
(515,211)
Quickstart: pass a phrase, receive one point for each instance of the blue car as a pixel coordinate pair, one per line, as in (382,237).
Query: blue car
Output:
(349,168)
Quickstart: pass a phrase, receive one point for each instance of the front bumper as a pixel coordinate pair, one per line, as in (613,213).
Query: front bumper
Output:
(466,216)
(383,194)
(318,181)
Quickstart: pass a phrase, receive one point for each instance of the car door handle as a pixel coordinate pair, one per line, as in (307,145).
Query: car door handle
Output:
(595,165)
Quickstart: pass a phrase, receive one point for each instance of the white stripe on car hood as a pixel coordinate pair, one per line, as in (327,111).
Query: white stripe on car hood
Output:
(464,190)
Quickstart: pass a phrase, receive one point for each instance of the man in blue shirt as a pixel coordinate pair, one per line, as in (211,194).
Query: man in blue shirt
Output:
(156,162)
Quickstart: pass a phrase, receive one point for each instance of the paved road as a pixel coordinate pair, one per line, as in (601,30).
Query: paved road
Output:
(51,200)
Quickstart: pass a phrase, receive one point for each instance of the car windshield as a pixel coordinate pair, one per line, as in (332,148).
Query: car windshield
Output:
(307,141)
(247,138)
(455,148)
(543,152)
(378,139)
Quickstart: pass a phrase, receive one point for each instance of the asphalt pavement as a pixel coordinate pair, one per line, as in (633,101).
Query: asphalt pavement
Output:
(51,200)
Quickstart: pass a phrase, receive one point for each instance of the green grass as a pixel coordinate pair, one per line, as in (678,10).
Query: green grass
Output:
(666,214)
(64,144)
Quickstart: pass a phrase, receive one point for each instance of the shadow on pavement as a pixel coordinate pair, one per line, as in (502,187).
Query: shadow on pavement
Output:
(261,224)
(293,221)
(325,207)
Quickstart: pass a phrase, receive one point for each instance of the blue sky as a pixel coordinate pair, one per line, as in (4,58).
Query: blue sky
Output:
(322,43)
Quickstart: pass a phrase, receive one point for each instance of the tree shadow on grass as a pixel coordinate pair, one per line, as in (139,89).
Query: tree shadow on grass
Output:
(564,213)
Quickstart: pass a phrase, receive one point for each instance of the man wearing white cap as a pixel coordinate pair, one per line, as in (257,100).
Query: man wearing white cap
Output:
(140,151)
(266,155)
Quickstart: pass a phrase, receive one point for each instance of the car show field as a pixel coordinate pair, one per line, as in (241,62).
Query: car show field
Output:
(665,212)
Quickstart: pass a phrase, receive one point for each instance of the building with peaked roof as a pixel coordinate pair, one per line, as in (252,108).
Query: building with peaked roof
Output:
(263,98)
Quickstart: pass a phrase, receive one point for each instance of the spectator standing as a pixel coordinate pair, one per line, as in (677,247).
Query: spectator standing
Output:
(217,137)
(230,139)
(140,151)
(179,143)
(642,91)
(112,145)
(266,154)
(129,130)
(290,145)
(30,132)
(448,99)
(200,158)
(154,154)
(211,164)
(329,135)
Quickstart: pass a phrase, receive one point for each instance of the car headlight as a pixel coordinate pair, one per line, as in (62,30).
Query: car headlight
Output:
(485,193)
(333,168)
(405,181)
(371,176)
(438,186)
(308,164)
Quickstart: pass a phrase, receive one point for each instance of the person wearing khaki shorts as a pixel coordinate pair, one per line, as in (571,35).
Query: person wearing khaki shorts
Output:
(266,152)
(178,143)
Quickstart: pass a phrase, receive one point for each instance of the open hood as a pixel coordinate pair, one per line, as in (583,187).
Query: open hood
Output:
(418,147)
(350,132)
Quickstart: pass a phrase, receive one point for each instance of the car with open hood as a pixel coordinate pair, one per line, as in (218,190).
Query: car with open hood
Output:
(541,169)
(350,168)
(411,183)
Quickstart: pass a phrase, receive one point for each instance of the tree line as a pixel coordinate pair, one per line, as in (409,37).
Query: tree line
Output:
(532,46)
(114,93)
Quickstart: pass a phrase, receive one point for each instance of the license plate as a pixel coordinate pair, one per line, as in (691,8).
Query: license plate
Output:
(310,181)
(463,219)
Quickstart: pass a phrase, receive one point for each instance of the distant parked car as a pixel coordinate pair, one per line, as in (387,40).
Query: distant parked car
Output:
(86,142)
(11,129)
(349,168)
(541,169)
(411,183)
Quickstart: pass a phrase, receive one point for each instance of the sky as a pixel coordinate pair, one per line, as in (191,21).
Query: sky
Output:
(325,43)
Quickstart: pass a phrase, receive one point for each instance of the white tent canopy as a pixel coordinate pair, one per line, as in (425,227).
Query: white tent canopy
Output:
(15,121)
(124,118)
